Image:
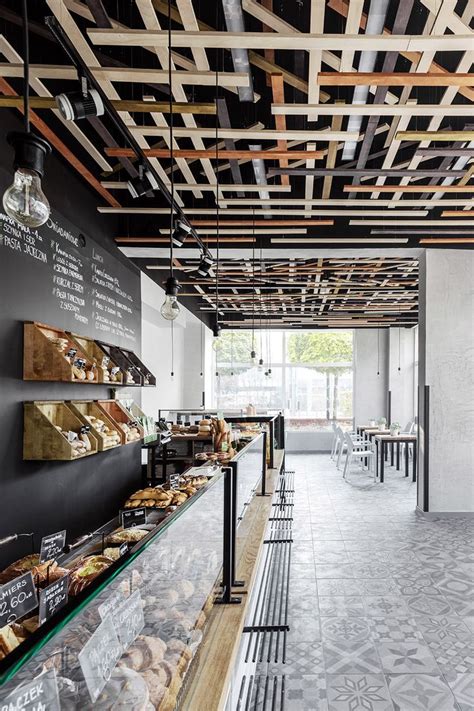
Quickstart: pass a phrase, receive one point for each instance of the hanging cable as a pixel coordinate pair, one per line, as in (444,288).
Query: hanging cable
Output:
(252,354)
(399,350)
(378,351)
(217,183)
(26,69)
(170,82)
(202,351)
(172,348)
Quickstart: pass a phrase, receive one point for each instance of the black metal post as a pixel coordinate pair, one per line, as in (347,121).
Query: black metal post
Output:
(414,460)
(227,597)
(271,462)
(234,466)
(426,448)
(264,468)
(382,460)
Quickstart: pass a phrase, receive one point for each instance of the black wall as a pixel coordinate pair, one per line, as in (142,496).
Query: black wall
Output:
(45,497)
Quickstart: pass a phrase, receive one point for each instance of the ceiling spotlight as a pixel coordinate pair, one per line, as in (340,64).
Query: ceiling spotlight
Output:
(180,233)
(77,105)
(142,184)
(170,308)
(205,265)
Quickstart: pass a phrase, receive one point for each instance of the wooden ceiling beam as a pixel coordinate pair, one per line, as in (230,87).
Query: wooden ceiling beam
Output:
(148,107)
(278,92)
(374,110)
(209,153)
(261,223)
(435,135)
(395,79)
(368,172)
(408,189)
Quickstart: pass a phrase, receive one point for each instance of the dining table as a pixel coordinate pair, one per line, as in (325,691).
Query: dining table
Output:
(386,441)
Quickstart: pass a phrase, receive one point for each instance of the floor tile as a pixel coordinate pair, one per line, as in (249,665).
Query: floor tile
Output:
(454,656)
(338,586)
(344,629)
(341,606)
(351,657)
(425,604)
(371,570)
(377,586)
(462,686)
(420,692)
(331,558)
(385,606)
(305,692)
(406,657)
(301,658)
(304,628)
(443,628)
(354,692)
(394,629)
(333,571)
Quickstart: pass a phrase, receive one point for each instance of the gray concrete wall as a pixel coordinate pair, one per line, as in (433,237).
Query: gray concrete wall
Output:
(371,348)
(401,382)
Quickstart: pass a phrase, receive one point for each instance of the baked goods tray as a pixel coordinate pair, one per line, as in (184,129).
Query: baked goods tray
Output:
(157,524)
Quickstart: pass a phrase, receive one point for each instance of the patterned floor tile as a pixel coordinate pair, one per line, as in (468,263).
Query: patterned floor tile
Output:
(422,585)
(331,558)
(424,604)
(394,629)
(341,606)
(344,629)
(385,606)
(334,571)
(302,570)
(351,658)
(378,586)
(454,656)
(371,570)
(338,586)
(406,657)
(420,692)
(358,692)
(305,692)
(304,628)
(443,629)
(462,686)
(301,658)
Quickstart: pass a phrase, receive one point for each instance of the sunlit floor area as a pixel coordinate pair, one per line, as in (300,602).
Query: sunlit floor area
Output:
(380,604)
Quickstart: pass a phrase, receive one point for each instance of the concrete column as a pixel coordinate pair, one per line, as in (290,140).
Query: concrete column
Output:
(401,374)
(370,390)
(446,377)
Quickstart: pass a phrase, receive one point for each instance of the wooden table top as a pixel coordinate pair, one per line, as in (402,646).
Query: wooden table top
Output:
(398,438)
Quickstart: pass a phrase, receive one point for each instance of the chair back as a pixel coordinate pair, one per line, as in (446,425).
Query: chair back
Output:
(349,442)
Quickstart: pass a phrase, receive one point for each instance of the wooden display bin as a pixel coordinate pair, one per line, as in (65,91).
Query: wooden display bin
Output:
(42,360)
(89,408)
(120,416)
(92,349)
(148,379)
(41,439)
(148,423)
(119,356)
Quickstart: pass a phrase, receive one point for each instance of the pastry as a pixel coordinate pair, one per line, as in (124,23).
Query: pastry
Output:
(129,535)
(145,653)
(125,691)
(179,497)
(112,553)
(186,588)
(86,571)
(8,640)
(156,688)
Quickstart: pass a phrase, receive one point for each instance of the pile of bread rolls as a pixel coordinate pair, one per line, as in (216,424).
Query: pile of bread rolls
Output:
(222,436)
(132,433)
(111,436)
(205,427)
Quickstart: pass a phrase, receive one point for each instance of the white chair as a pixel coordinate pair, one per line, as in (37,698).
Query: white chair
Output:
(341,445)
(356,451)
(334,440)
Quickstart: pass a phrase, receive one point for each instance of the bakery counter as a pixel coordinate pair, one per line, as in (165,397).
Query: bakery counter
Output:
(129,639)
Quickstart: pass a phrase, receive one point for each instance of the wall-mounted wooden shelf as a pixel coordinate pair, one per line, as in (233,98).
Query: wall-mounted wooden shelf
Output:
(122,418)
(109,435)
(105,365)
(44,422)
(131,363)
(45,356)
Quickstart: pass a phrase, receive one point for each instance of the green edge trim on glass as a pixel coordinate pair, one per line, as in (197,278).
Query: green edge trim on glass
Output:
(163,526)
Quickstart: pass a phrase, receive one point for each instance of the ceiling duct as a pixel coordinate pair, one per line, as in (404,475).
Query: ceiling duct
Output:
(234,20)
(375,25)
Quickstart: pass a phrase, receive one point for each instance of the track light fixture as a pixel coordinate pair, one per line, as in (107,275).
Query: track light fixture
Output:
(145,182)
(180,233)
(76,105)
(170,308)
(205,265)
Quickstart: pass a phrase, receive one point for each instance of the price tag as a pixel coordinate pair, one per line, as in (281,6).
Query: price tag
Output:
(134,517)
(123,549)
(52,598)
(41,694)
(128,619)
(113,601)
(99,656)
(52,546)
(17,598)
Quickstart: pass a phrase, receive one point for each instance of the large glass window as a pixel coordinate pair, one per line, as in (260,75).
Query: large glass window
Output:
(307,375)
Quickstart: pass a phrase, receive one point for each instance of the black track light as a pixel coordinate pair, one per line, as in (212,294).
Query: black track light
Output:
(205,265)
(180,233)
(143,183)
(77,105)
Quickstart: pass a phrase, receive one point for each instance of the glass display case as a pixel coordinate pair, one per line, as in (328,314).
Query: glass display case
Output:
(130,643)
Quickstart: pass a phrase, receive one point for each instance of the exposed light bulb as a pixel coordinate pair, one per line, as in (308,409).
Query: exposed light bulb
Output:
(253,358)
(24,201)
(170,308)
(260,364)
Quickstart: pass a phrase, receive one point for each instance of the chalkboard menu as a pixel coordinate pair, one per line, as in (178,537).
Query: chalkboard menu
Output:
(81,287)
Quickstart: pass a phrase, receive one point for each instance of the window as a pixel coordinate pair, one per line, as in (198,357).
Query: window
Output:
(310,379)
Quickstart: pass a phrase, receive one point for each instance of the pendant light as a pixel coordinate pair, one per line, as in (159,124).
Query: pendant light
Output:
(260,362)
(216,331)
(170,307)
(24,201)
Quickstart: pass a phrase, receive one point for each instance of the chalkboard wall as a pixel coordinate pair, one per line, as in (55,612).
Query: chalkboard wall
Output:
(67,274)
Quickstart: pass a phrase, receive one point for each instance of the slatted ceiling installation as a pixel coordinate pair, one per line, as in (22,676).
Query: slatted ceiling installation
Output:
(408,185)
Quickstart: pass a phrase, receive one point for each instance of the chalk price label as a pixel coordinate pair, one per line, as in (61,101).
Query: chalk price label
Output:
(134,517)
(17,598)
(52,546)
(99,656)
(41,694)
(53,598)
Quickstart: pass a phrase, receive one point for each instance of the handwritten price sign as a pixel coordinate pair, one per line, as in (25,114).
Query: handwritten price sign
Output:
(17,598)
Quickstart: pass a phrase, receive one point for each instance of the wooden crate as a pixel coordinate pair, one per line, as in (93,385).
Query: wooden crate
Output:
(119,415)
(89,408)
(148,423)
(118,355)
(43,361)
(148,379)
(92,349)
(41,439)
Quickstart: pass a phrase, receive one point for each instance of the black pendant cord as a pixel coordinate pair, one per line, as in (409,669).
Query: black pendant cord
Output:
(202,351)
(232,353)
(261,300)
(399,350)
(172,348)
(217,190)
(26,69)
(170,82)
(253,280)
